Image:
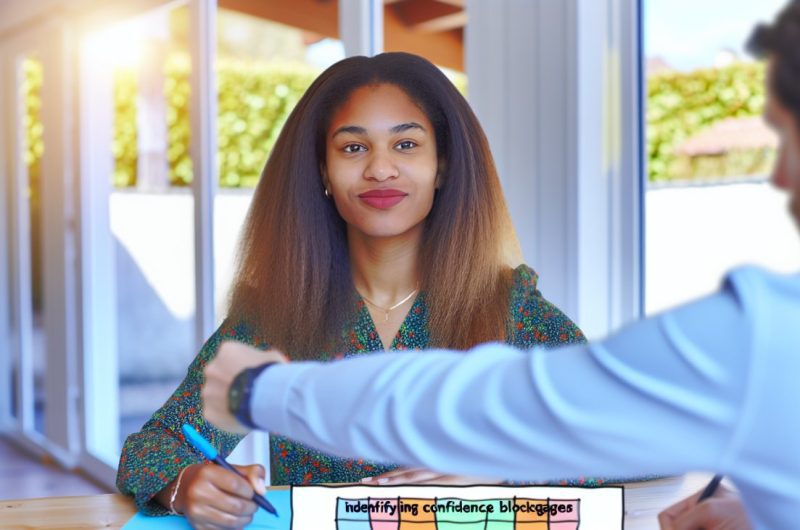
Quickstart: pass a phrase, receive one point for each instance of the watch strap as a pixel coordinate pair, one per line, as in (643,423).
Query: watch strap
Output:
(245,381)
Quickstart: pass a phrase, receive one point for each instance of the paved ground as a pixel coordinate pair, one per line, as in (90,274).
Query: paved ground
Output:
(23,476)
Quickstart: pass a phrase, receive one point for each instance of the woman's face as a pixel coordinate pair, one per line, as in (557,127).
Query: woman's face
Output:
(786,173)
(381,162)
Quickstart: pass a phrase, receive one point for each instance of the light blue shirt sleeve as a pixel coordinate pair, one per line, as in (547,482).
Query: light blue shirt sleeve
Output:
(661,396)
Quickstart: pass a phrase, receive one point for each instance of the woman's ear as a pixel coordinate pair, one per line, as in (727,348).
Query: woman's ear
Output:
(324,173)
(440,174)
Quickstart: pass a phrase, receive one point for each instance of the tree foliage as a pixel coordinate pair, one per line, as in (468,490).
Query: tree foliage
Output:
(679,105)
(255,100)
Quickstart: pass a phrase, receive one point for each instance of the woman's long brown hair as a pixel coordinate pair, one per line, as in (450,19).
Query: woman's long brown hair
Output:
(294,284)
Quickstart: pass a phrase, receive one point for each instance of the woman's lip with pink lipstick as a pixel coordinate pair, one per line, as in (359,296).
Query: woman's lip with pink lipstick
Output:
(382,199)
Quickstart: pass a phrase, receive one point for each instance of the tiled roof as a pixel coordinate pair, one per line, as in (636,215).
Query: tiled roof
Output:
(732,134)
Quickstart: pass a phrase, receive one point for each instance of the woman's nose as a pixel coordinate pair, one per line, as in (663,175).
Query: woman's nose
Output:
(381,167)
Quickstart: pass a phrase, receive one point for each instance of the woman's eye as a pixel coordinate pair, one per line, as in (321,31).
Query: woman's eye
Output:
(354,148)
(406,144)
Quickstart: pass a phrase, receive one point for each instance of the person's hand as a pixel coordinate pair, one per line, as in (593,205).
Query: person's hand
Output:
(422,476)
(231,359)
(213,498)
(722,511)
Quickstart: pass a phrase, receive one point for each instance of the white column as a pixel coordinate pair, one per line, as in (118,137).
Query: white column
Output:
(100,358)
(361,26)
(20,250)
(203,119)
(203,116)
(628,170)
(152,166)
(59,236)
(6,86)
(555,86)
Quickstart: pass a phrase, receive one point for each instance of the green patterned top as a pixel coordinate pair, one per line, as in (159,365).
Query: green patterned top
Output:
(152,457)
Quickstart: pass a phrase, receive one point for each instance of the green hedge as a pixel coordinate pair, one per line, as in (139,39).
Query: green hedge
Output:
(34,131)
(681,104)
(256,99)
(34,149)
(254,102)
(124,141)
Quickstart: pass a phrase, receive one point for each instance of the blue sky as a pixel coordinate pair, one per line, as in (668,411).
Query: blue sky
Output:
(689,33)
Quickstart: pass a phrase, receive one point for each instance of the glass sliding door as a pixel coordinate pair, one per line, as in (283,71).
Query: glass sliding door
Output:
(138,224)
(23,152)
(38,273)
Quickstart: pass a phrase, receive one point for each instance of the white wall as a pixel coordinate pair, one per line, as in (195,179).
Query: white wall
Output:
(555,86)
(696,234)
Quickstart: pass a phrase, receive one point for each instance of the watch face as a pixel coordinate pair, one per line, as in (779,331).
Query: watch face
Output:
(235,395)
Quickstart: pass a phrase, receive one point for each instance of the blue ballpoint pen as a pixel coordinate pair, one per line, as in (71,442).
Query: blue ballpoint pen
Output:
(210,452)
(710,489)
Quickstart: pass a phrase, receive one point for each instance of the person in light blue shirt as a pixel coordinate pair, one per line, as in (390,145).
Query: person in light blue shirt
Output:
(712,385)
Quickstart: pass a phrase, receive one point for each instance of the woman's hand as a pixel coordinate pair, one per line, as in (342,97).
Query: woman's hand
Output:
(422,476)
(723,511)
(213,498)
(231,359)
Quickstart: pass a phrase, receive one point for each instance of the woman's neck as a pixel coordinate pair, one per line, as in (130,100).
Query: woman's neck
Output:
(385,269)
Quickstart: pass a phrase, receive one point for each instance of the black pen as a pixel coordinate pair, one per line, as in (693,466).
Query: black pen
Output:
(710,489)
(210,452)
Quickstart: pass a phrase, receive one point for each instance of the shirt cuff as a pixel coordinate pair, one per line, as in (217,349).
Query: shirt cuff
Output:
(270,398)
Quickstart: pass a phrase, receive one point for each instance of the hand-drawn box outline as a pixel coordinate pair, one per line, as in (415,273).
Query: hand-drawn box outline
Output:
(467,486)
(486,519)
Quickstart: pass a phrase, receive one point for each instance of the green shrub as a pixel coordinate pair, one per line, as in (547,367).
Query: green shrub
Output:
(123,145)
(31,91)
(255,100)
(681,104)
(34,131)
(254,103)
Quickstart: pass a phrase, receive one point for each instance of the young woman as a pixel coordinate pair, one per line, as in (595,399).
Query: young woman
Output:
(378,224)
(709,385)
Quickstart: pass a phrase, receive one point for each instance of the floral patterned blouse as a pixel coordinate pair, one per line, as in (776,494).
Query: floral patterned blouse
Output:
(152,457)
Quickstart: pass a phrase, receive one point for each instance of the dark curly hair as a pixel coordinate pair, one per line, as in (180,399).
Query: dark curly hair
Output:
(781,40)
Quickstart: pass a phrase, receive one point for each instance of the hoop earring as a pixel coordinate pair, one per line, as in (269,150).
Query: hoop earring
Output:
(327,194)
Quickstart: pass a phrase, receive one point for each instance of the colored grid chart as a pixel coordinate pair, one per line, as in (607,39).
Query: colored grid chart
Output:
(409,513)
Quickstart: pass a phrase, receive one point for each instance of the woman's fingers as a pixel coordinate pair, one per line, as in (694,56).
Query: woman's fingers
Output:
(219,498)
(723,511)
(256,474)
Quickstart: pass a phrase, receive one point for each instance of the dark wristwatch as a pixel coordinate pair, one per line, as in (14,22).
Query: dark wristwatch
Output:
(240,394)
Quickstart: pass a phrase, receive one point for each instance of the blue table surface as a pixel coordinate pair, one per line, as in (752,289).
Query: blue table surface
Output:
(280,499)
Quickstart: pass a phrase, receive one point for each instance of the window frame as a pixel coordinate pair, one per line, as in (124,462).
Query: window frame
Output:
(563,117)
(48,41)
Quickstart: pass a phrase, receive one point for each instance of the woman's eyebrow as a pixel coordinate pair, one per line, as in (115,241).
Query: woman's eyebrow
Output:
(361,131)
(352,129)
(406,126)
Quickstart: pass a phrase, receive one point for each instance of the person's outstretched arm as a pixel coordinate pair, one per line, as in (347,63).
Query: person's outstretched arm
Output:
(670,386)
